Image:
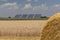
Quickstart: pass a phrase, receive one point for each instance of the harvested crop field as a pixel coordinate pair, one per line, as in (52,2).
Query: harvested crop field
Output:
(21,29)
(19,38)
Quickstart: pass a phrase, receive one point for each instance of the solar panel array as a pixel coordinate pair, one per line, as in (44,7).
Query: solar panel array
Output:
(28,16)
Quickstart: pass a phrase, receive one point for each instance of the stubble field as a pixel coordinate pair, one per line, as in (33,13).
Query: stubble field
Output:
(21,29)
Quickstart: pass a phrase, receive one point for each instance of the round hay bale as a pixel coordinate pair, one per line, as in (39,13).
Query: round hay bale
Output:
(51,31)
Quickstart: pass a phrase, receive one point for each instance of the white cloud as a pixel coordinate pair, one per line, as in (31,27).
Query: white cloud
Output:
(29,0)
(11,9)
(32,0)
(10,6)
(8,9)
(27,6)
(56,6)
(29,9)
(36,0)
(42,7)
(4,0)
(36,8)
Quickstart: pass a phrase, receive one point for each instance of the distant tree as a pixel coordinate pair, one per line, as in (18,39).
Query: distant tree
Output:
(9,17)
(44,17)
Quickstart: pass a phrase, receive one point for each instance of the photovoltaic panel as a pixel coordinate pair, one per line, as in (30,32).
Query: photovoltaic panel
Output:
(18,16)
(24,16)
(30,15)
(37,16)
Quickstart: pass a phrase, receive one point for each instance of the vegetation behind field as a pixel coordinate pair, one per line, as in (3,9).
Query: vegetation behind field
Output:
(23,19)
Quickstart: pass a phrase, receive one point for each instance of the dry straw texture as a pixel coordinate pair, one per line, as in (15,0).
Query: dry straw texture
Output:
(52,29)
(21,27)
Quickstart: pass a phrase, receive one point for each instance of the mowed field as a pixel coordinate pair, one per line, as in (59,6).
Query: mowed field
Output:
(21,29)
(19,38)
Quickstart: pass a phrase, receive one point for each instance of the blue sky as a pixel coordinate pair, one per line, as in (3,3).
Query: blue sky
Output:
(44,7)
